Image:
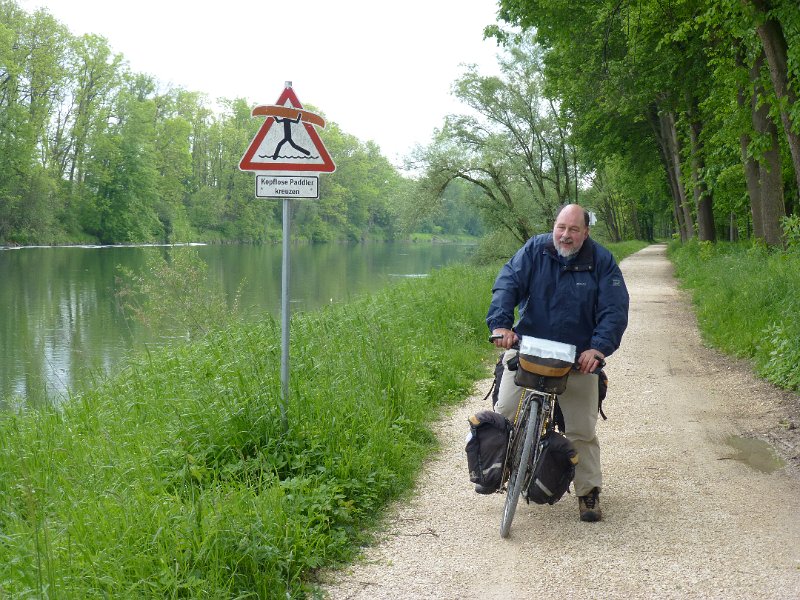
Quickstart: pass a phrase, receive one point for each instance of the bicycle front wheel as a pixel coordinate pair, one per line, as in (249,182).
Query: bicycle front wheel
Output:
(519,469)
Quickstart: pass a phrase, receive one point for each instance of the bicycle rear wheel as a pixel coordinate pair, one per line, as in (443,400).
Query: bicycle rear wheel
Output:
(520,464)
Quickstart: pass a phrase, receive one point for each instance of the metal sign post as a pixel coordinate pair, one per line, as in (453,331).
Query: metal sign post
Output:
(287,155)
(285,265)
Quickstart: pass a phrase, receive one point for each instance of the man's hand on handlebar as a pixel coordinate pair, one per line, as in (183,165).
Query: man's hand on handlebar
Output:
(591,360)
(503,338)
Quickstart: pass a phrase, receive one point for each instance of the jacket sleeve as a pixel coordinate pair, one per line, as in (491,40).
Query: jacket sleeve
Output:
(612,307)
(510,287)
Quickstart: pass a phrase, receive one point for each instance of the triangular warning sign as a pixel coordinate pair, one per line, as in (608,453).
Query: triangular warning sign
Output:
(287,140)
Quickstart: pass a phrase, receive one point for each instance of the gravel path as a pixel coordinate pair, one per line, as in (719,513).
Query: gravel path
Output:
(683,518)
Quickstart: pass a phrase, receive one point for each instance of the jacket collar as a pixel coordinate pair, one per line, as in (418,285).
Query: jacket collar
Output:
(584,261)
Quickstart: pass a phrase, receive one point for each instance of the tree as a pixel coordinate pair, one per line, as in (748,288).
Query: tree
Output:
(740,68)
(31,82)
(768,15)
(515,146)
(93,152)
(616,64)
(174,165)
(627,199)
(122,175)
(16,159)
(95,75)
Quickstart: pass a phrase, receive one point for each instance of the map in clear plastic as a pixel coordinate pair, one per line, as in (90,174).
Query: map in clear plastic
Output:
(547,349)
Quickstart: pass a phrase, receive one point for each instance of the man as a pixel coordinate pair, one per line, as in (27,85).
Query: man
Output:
(568,289)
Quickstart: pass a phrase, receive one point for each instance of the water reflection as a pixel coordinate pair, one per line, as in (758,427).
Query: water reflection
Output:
(755,453)
(60,325)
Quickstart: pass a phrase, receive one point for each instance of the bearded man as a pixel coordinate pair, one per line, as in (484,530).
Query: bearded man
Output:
(569,289)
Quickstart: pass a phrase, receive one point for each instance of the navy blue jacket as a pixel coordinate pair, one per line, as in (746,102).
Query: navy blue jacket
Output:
(581,301)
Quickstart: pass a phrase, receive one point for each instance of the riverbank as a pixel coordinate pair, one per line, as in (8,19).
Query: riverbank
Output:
(67,327)
(177,477)
(413,237)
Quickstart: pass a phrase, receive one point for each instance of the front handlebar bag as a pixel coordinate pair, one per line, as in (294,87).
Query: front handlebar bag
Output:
(548,375)
(544,365)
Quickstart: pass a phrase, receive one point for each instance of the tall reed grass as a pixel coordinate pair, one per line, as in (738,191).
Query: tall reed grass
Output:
(748,303)
(177,479)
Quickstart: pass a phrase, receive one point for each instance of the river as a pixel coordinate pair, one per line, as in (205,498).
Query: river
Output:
(61,326)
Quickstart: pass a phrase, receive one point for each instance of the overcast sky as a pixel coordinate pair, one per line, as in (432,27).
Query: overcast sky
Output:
(382,71)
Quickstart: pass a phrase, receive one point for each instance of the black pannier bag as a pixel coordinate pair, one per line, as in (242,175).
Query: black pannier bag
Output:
(487,444)
(554,472)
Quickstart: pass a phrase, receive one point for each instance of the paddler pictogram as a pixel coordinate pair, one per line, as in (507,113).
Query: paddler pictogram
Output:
(287,141)
(287,116)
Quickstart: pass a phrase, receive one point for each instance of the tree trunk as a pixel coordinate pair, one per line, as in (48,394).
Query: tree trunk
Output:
(674,158)
(776,51)
(675,193)
(772,208)
(606,207)
(637,226)
(733,229)
(770,179)
(610,219)
(703,200)
(748,101)
(769,209)
(657,125)
(751,175)
(676,209)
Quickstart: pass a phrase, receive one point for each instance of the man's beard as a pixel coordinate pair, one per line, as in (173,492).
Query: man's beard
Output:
(566,252)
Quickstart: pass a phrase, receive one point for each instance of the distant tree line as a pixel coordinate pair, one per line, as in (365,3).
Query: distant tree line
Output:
(92,152)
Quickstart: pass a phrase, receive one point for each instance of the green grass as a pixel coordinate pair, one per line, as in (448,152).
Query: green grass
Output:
(449,238)
(177,478)
(623,250)
(747,301)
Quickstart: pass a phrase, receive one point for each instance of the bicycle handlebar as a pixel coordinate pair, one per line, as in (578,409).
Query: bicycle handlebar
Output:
(598,358)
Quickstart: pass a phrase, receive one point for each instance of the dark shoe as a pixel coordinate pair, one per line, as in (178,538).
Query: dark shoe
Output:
(589,506)
(483,489)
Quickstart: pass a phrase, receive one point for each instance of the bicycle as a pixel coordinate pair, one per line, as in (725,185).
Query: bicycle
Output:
(542,372)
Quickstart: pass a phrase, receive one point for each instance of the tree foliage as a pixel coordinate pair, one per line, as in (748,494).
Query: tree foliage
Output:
(93,152)
(514,146)
(684,78)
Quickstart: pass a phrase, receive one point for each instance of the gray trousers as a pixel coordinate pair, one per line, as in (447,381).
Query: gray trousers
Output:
(579,406)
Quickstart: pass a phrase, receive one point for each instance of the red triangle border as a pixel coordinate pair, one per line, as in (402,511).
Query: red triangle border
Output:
(247,164)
